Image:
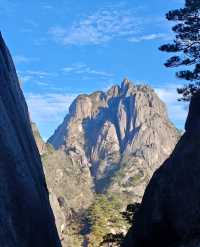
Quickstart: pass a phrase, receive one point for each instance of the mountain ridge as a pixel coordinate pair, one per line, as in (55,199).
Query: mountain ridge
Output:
(104,127)
(109,143)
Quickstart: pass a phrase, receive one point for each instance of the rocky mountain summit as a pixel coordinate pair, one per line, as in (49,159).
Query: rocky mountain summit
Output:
(25,212)
(109,142)
(120,136)
(170,211)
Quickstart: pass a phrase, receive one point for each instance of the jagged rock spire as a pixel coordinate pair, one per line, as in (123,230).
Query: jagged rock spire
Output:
(105,129)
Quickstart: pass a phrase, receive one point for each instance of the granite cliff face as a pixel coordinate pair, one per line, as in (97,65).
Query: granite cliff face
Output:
(109,142)
(43,147)
(120,136)
(70,189)
(170,211)
(25,212)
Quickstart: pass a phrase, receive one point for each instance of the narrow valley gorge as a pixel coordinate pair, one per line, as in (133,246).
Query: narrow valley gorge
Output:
(109,144)
(85,162)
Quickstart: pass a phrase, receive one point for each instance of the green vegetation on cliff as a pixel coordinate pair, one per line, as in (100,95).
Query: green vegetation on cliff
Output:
(104,217)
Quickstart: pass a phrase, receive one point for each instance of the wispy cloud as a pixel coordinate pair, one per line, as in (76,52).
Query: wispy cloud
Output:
(106,25)
(48,7)
(25,78)
(177,110)
(38,77)
(48,108)
(40,73)
(42,77)
(100,27)
(81,68)
(20,59)
(148,37)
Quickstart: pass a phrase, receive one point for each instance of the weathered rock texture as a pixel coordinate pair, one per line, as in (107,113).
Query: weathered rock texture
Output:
(68,180)
(25,213)
(109,142)
(170,211)
(70,189)
(43,148)
(121,136)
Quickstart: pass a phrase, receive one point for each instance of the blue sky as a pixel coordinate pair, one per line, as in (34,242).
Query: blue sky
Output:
(63,48)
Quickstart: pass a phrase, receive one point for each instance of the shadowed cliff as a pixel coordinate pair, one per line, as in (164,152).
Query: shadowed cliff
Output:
(170,211)
(26,218)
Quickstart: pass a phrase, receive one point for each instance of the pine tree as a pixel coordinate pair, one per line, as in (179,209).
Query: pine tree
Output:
(187,45)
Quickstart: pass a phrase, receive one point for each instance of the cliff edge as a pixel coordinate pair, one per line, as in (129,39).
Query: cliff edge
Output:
(26,216)
(170,211)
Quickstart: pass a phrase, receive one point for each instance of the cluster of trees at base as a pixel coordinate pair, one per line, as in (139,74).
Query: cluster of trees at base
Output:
(111,239)
(107,223)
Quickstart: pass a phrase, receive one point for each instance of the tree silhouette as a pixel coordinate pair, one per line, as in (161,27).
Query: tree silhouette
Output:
(187,45)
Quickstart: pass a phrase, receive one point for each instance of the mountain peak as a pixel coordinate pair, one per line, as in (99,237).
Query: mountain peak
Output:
(126,81)
(135,118)
(126,84)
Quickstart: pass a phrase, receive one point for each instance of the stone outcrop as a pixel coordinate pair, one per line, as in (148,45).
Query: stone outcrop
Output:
(170,211)
(25,212)
(68,180)
(70,189)
(121,136)
(43,148)
(71,192)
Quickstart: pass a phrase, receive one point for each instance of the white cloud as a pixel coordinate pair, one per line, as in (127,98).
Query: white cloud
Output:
(105,25)
(19,59)
(35,76)
(154,36)
(177,110)
(25,78)
(42,83)
(48,108)
(81,68)
(100,27)
(40,73)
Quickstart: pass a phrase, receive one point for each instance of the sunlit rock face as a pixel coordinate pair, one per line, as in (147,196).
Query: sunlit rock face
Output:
(109,142)
(170,211)
(25,212)
(70,188)
(121,136)
(43,148)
